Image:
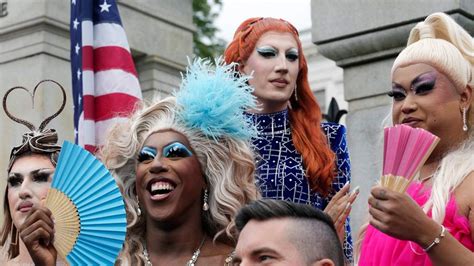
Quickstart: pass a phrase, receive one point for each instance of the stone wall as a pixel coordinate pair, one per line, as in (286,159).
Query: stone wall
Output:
(34,45)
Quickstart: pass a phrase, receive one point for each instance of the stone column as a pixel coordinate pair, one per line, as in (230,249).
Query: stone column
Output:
(34,45)
(160,34)
(364,37)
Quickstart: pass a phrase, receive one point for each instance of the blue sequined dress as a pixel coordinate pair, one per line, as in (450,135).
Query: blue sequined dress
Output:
(280,172)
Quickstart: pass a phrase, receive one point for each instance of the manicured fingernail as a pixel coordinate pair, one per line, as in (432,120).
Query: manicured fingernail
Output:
(356,190)
(348,206)
(347,183)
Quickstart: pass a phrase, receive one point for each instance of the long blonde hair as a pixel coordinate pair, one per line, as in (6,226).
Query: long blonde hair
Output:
(442,43)
(227,164)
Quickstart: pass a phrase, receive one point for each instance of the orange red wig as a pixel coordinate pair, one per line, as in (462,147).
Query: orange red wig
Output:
(305,114)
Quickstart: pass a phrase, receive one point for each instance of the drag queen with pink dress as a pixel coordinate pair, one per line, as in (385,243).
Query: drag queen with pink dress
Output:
(431,224)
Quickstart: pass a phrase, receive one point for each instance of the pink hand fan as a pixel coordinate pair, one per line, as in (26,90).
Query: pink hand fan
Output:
(405,150)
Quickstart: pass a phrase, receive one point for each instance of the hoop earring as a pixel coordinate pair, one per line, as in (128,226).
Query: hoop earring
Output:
(205,206)
(464,122)
(15,235)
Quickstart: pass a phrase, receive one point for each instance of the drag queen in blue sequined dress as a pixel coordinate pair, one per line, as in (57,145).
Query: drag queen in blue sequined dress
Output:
(299,159)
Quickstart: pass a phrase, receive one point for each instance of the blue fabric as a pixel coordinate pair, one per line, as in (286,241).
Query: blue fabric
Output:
(280,171)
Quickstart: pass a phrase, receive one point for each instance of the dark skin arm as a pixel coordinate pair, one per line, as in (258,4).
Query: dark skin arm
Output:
(397,215)
(37,234)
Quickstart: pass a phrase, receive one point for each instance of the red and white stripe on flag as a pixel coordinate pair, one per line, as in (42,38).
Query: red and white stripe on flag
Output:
(106,76)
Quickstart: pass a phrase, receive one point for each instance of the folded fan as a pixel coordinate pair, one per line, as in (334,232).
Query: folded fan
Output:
(88,209)
(405,150)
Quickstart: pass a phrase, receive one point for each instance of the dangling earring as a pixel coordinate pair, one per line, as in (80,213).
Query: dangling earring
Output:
(205,206)
(139,211)
(296,93)
(15,235)
(464,122)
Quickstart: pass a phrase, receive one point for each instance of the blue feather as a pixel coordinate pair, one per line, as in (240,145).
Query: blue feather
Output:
(213,100)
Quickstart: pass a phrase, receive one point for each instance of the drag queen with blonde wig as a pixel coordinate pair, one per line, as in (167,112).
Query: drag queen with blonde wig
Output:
(432,224)
(186,168)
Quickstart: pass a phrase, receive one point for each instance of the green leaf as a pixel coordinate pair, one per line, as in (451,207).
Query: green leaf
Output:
(206,43)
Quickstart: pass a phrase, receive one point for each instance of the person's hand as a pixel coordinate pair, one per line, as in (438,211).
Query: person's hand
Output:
(398,215)
(37,233)
(340,206)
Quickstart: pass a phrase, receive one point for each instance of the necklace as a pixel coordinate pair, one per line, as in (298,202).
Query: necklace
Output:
(190,262)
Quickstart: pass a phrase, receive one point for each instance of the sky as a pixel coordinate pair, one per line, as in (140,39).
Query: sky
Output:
(234,12)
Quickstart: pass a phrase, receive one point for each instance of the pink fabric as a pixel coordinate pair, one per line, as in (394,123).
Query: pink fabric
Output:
(381,249)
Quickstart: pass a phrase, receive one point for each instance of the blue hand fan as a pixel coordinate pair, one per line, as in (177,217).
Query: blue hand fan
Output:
(88,209)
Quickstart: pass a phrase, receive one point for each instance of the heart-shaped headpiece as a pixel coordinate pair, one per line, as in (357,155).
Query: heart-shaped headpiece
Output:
(38,140)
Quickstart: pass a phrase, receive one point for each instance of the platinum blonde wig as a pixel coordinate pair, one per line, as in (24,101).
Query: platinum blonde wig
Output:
(443,44)
(226,160)
(440,42)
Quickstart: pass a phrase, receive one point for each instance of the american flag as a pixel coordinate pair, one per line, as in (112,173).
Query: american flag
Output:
(104,80)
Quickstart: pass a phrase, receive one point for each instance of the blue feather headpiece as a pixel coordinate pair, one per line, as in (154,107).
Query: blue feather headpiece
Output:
(213,99)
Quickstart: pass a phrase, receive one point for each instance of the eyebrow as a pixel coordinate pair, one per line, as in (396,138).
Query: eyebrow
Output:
(264,250)
(419,78)
(34,172)
(270,46)
(14,174)
(176,141)
(166,145)
(414,81)
(148,147)
(265,48)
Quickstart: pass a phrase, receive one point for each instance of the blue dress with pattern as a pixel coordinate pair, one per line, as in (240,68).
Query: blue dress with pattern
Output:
(280,172)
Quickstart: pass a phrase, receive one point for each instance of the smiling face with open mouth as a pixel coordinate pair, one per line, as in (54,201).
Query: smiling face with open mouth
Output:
(169,177)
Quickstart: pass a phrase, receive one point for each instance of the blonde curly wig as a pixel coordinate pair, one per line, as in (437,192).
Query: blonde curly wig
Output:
(227,164)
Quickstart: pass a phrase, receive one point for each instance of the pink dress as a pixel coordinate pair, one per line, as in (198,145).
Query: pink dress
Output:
(381,249)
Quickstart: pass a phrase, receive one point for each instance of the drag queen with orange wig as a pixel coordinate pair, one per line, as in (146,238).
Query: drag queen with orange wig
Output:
(297,154)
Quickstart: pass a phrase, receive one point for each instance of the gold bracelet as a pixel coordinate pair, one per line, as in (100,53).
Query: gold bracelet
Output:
(436,240)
